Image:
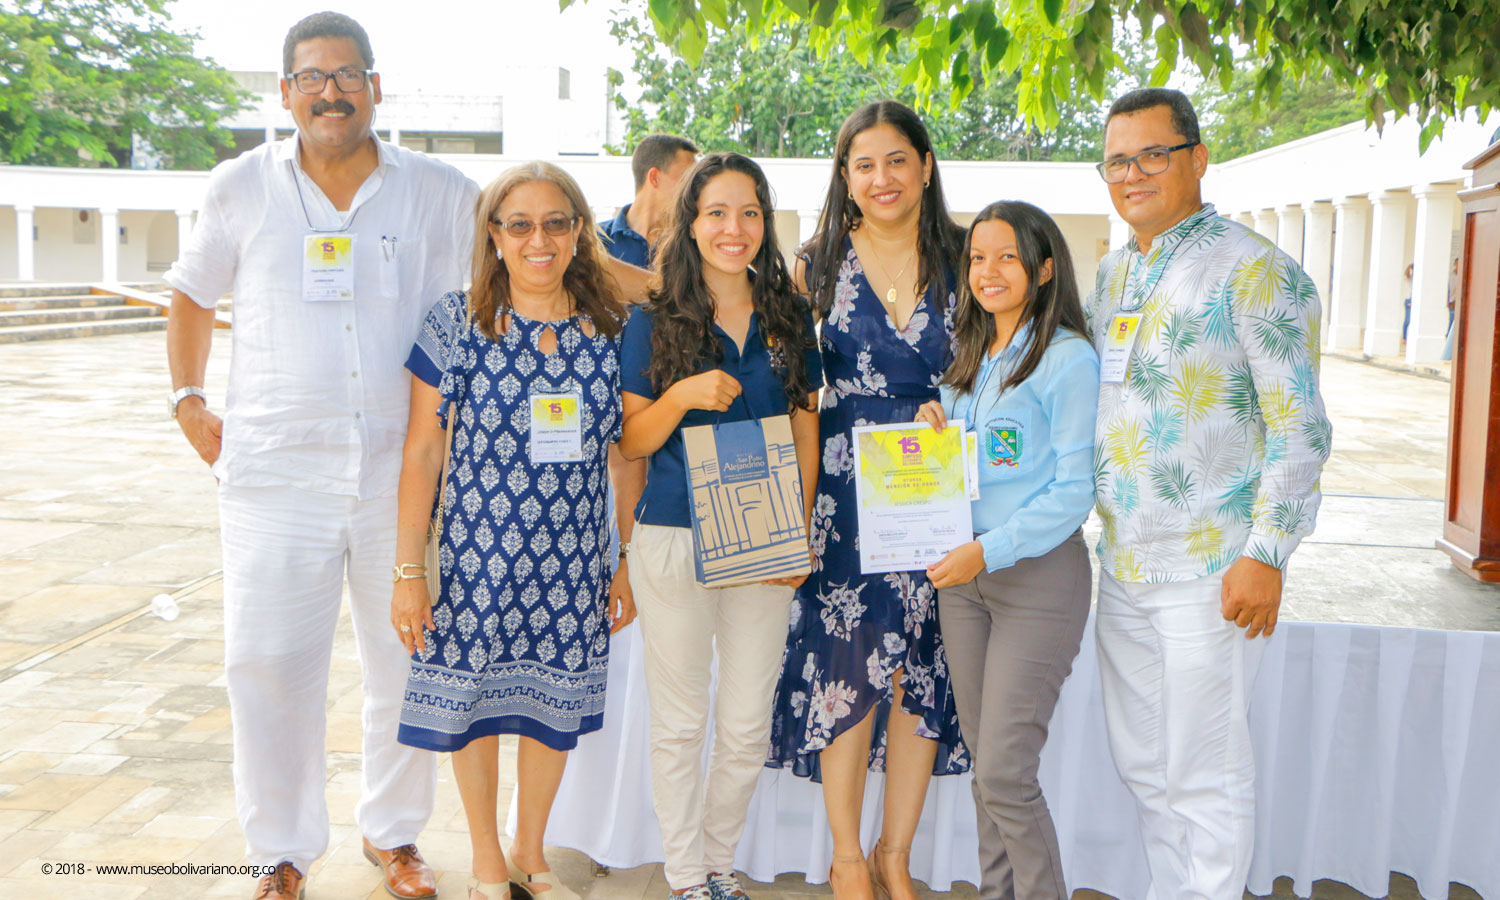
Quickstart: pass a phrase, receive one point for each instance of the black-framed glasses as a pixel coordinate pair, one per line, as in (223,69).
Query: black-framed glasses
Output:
(1151,162)
(557,226)
(348,79)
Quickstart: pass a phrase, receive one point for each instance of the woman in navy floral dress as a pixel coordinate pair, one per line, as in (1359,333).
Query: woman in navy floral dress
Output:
(517,641)
(864,682)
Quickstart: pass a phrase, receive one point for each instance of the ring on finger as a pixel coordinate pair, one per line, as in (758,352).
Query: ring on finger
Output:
(406,628)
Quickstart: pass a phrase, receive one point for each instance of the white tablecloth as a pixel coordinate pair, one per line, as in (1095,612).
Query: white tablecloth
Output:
(1377,749)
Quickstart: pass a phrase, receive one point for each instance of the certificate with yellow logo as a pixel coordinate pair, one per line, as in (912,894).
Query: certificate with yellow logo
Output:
(912,490)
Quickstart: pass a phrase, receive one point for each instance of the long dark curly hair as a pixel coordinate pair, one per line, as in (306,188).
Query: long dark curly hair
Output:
(1048,306)
(682,312)
(939,239)
(594,291)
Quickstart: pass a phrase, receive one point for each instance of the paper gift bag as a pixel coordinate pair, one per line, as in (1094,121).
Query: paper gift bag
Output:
(746,493)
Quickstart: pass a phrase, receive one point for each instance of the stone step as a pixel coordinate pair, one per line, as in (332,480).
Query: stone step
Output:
(80,329)
(75,314)
(29,289)
(56,301)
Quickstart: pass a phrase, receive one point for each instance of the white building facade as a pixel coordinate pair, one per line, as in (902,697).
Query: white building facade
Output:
(1356,208)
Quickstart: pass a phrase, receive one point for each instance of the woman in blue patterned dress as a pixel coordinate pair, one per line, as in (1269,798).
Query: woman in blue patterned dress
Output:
(864,681)
(518,640)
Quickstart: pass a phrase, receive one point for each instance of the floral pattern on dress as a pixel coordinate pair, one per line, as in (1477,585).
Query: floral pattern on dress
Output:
(849,633)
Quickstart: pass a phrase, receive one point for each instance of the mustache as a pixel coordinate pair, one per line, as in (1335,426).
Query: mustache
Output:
(339,105)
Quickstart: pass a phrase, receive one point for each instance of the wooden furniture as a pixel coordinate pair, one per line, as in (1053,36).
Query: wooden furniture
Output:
(1471,525)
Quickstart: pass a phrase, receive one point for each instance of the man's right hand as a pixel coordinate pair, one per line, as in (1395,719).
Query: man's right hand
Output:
(204,430)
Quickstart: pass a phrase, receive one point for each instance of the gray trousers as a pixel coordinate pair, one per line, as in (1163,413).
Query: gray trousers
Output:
(1011,637)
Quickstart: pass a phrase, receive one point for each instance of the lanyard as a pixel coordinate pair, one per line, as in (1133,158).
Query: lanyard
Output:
(297,183)
(1151,285)
(984,381)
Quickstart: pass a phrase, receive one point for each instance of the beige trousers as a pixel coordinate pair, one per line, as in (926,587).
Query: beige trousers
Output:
(683,627)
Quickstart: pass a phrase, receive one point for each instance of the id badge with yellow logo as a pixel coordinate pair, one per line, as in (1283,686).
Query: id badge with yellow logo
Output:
(556,427)
(1119,340)
(327,267)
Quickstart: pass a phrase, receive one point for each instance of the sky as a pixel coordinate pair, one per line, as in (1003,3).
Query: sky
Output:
(434,46)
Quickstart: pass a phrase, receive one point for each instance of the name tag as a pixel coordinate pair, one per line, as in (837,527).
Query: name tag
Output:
(327,267)
(1118,342)
(556,428)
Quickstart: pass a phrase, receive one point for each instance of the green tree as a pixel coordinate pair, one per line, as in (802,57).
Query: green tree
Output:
(1234,126)
(771,94)
(80,79)
(1431,57)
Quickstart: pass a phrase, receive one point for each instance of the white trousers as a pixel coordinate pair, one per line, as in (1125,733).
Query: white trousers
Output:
(682,625)
(1177,680)
(287,552)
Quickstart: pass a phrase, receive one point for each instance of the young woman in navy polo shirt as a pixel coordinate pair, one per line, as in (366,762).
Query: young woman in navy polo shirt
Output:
(724,338)
(1013,601)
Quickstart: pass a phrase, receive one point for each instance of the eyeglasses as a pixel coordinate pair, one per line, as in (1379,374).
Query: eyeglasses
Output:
(311,81)
(557,226)
(1151,162)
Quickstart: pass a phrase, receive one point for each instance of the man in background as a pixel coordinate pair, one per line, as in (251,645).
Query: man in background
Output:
(659,162)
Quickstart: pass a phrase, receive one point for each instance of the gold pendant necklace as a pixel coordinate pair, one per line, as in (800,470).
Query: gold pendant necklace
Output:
(890,294)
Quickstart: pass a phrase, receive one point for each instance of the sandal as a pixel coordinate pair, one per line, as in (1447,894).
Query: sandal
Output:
(842,859)
(554,887)
(877,878)
(488,890)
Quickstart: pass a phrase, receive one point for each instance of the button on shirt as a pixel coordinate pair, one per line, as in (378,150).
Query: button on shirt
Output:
(625,243)
(665,499)
(1036,446)
(318,396)
(1213,445)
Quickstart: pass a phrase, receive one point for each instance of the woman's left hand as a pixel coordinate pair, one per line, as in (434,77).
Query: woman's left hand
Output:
(621,600)
(961,566)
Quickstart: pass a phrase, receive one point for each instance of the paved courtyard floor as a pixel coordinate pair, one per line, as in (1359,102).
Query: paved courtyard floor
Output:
(114,728)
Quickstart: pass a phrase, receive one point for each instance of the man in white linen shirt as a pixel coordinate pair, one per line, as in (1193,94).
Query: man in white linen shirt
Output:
(334,244)
(1210,440)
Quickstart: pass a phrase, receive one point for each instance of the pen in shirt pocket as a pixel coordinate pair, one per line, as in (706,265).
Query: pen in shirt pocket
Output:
(388,247)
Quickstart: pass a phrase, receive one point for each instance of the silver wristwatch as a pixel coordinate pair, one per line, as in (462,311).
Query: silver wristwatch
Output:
(182,394)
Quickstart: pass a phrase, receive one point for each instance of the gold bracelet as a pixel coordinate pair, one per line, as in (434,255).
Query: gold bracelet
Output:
(401,574)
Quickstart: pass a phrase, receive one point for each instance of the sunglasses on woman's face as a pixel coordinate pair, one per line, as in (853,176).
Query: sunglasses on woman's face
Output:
(556,226)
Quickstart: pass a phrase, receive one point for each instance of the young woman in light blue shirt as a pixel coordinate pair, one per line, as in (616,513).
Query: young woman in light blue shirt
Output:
(1013,601)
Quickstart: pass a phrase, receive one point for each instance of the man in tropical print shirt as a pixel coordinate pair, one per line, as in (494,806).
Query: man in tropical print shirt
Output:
(1210,441)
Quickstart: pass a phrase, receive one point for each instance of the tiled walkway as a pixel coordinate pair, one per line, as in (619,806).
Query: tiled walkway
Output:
(114,729)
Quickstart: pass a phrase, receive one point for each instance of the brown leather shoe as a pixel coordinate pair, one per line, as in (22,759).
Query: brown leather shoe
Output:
(284,883)
(407,875)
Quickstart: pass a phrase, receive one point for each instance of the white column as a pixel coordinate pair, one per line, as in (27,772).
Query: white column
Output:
(395,137)
(1384,304)
(1437,208)
(1351,263)
(1289,231)
(1265,223)
(184,230)
(1119,232)
(25,246)
(1317,252)
(807,225)
(1244,219)
(271,132)
(109,243)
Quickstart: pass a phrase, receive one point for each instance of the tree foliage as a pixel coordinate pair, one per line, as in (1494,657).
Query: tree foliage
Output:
(1431,58)
(1233,126)
(80,79)
(771,94)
